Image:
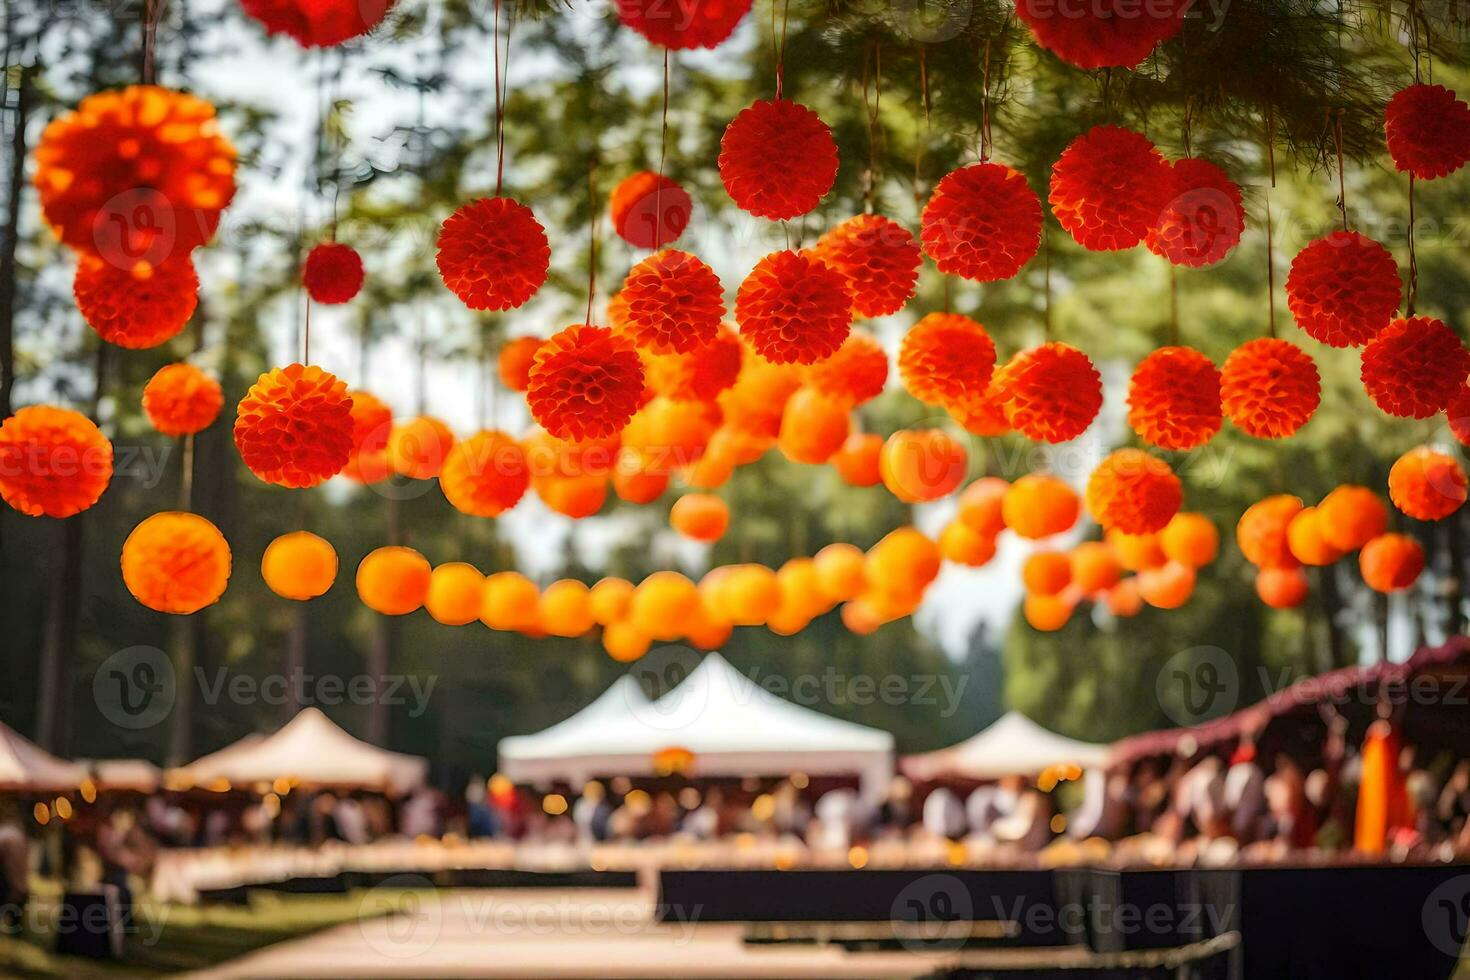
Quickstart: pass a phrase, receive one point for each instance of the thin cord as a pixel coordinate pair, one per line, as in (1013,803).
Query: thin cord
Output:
(1046,282)
(985,104)
(306,334)
(591,240)
(501,81)
(1173,307)
(1270,231)
(780,43)
(1341,168)
(186,477)
(1411,298)
(150,38)
(663,149)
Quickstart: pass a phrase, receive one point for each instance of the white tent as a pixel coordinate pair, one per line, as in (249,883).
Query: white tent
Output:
(730,727)
(309,749)
(1013,746)
(138,775)
(26,766)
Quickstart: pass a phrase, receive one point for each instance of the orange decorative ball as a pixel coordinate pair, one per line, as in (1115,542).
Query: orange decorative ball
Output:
(1269,388)
(493,254)
(877,258)
(299,565)
(1133,491)
(1038,506)
(175,562)
(1427,485)
(456,594)
(1343,289)
(294,426)
(1427,129)
(636,481)
(1046,613)
(1046,573)
(138,306)
(566,608)
(1203,221)
(609,599)
(755,403)
(746,595)
(1136,552)
(1174,398)
(840,571)
(1391,562)
(1282,588)
(1105,34)
(663,605)
(985,415)
(946,359)
(903,564)
(963,545)
(983,222)
(332,273)
(1306,541)
(1190,539)
(181,400)
(625,642)
(1123,599)
(1352,516)
(418,447)
(372,423)
(1109,187)
(586,383)
(53,461)
(1261,531)
(511,602)
(1095,569)
(1168,586)
(813,427)
(981,505)
(485,475)
(856,372)
(393,580)
(777,159)
(514,361)
(1414,367)
(572,496)
(700,517)
(1050,393)
(701,374)
(857,462)
(672,303)
(919,465)
(793,309)
(649,211)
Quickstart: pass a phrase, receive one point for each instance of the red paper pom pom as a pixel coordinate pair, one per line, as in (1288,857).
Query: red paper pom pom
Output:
(1428,131)
(946,359)
(1391,562)
(984,415)
(1414,367)
(1109,187)
(1203,221)
(332,273)
(1103,34)
(586,383)
(1343,289)
(671,303)
(318,23)
(136,176)
(983,222)
(856,373)
(485,475)
(649,211)
(702,373)
(176,563)
(139,307)
(1050,393)
(53,461)
(777,159)
(1174,398)
(372,423)
(1426,485)
(493,254)
(1134,492)
(181,400)
(792,308)
(1269,388)
(877,258)
(293,428)
(683,24)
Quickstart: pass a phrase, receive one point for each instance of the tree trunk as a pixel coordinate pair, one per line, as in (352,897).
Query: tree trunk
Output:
(295,662)
(184,640)
(59,645)
(15,189)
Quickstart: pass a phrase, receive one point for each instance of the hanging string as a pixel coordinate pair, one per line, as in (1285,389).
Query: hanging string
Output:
(1186,133)
(1173,307)
(985,103)
(1341,168)
(1270,229)
(1046,282)
(186,475)
(306,334)
(150,38)
(591,238)
(663,149)
(778,41)
(1411,296)
(920,139)
(502,82)
(873,109)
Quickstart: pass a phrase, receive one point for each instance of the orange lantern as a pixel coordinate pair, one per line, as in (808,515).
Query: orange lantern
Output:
(1282,588)
(510,601)
(393,580)
(1190,539)
(181,400)
(566,608)
(1038,506)
(175,562)
(801,589)
(1305,540)
(1135,552)
(1123,599)
(840,571)
(625,642)
(813,426)
(663,605)
(634,482)
(1426,484)
(609,599)
(963,545)
(922,464)
(903,564)
(1168,586)
(857,461)
(1352,516)
(859,618)
(294,426)
(485,475)
(299,565)
(1094,568)
(573,496)
(1391,562)
(417,448)
(515,360)
(1261,532)
(981,505)
(1046,573)
(456,593)
(700,517)
(1046,613)
(372,420)
(747,595)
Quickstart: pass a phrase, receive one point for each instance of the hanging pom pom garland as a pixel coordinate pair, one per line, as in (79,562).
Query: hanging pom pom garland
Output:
(137,307)
(53,461)
(176,563)
(318,23)
(1428,131)
(878,260)
(1269,388)
(649,210)
(1106,34)
(393,581)
(793,309)
(493,254)
(946,359)
(332,273)
(1109,187)
(299,566)
(485,475)
(1343,289)
(685,24)
(1174,398)
(1426,485)
(672,303)
(1203,221)
(1050,393)
(856,373)
(294,426)
(777,159)
(181,400)
(1133,492)
(1414,367)
(983,222)
(586,383)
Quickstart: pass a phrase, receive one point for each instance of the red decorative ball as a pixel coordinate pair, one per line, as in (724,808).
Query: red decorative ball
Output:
(586,383)
(792,308)
(332,273)
(181,400)
(672,303)
(1428,131)
(493,254)
(1203,221)
(1269,388)
(877,258)
(1427,485)
(1343,289)
(1133,492)
(294,426)
(946,359)
(1109,187)
(1414,367)
(53,461)
(1457,415)
(1174,398)
(684,24)
(699,375)
(982,416)
(139,307)
(649,211)
(856,373)
(983,222)
(485,475)
(1103,34)
(777,159)
(318,23)
(1050,393)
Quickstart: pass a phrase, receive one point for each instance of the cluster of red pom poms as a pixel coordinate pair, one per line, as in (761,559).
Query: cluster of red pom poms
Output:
(294,426)
(318,23)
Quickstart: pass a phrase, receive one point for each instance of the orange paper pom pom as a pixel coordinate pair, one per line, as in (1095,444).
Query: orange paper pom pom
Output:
(1282,588)
(1414,367)
(918,465)
(1135,552)
(982,505)
(903,564)
(1269,388)
(1109,187)
(663,605)
(856,373)
(983,222)
(985,415)
(878,260)
(299,565)
(1095,568)
(493,254)
(1106,34)
(1123,599)
(1046,573)
(840,573)
(136,177)
(572,496)
(53,461)
(686,24)
(417,448)
(294,427)
(175,562)
(813,427)
(137,307)
(1134,492)
(1426,485)
(963,545)
(701,374)
(318,23)
(515,360)
(586,383)
(754,404)
(668,434)
(1046,613)
(1391,562)
(1343,289)
(946,359)
(1038,506)
(372,422)
(1428,131)
(566,608)
(625,642)
(700,517)
(857,462)
(1050,393)
(777,159)
(332,273)
(649,211)
(1190,539)
(672,303)
(638,480)
(1261,531)
(485,475)
(1174,398)
(609,599)
(792,308)
(511,602)
(1352,516)
(456,594)
(181,400)
(1306,540)
(1167,587)
(744,595)
(1203,221)
(393,581)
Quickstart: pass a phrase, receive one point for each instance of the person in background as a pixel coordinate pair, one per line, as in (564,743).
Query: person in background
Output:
(897,810)
(590,813)
(420,814)
(510,809)
(125,849)
(1383,799)
(1245,792)
(943,815)
(479,817)
(15,866)
(1104,809)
